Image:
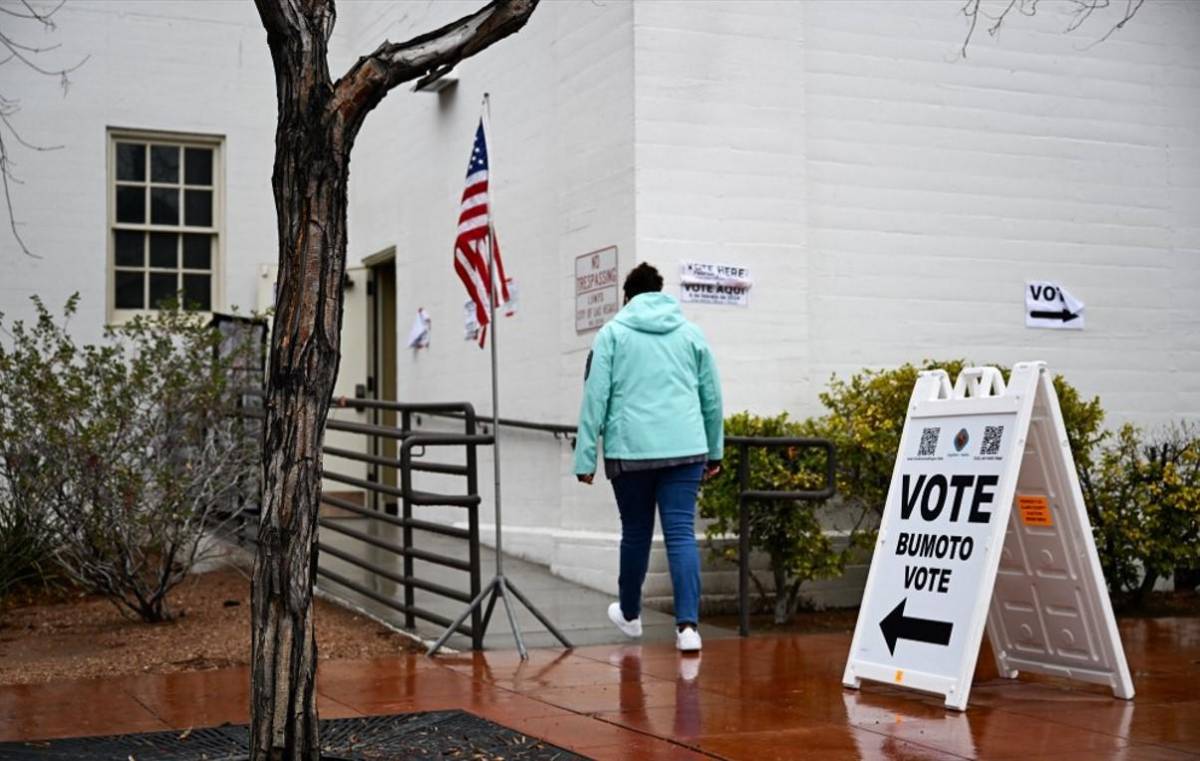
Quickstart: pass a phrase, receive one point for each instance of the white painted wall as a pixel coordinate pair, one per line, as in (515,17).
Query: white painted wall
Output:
(197,66)
(938,185)
(890,197)
(563,163)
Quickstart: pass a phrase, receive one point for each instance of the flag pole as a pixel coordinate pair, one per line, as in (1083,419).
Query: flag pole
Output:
(499,587)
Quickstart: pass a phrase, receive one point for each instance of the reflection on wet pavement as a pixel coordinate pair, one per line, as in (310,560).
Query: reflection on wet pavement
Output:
(761,698)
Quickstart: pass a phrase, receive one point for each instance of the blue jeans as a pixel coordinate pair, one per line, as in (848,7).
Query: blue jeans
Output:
(674,490)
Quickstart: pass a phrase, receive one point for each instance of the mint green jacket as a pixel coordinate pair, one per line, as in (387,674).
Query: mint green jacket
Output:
(650,389)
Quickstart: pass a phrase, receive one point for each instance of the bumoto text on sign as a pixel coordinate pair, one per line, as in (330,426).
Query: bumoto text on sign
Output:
(985,526)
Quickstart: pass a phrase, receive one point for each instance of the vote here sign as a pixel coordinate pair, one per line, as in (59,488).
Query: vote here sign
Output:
(943,518)
(951,558)
(934,564)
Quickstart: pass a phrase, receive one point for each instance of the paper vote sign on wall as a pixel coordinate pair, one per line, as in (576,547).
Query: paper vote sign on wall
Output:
(985,527)
(1049,305)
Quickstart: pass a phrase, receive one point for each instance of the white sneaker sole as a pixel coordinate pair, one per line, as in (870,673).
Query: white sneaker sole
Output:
(631,629)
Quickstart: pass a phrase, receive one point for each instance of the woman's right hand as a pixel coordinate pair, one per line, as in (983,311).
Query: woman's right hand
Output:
(585,478)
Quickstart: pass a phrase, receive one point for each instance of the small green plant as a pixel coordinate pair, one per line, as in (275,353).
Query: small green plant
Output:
(1143,497)
(122,455)
(866,417)
(793,534)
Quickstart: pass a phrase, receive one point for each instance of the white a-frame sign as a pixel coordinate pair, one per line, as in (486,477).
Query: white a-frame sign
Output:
(985,525)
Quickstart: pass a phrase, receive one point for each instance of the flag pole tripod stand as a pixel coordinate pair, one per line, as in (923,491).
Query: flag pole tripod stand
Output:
(500,587)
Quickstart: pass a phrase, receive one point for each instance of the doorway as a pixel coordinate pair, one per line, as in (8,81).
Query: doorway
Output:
(381,379)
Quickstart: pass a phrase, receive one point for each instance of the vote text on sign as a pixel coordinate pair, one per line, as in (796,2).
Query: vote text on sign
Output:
(985,526)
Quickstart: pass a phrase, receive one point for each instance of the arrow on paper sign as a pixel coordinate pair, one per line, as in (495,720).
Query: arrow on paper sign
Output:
(898,626)
(1065,315)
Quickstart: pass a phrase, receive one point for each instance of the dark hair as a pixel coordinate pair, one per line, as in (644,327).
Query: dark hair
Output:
(642,279)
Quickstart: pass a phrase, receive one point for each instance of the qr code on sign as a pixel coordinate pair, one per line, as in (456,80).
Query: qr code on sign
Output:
(991,439)
(929,440)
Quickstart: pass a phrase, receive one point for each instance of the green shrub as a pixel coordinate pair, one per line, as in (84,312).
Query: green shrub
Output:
(1143,498)
(866,417)
(864,420)
(791,533)
(124,451)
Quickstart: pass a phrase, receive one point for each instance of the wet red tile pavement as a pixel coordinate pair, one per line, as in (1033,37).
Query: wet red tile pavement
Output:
(776,697)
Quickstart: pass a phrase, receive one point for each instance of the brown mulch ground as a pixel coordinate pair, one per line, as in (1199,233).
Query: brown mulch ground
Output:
(70,636)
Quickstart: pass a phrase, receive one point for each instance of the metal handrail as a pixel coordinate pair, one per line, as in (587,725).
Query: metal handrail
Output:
(409,440)
(558,429)
(746,495)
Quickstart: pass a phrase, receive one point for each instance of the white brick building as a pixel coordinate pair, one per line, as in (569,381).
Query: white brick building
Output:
(889,197)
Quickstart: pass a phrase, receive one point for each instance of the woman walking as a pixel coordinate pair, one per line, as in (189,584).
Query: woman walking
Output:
(651,391)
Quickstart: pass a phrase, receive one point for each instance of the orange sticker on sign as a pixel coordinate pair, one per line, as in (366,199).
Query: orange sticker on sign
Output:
(1035,510)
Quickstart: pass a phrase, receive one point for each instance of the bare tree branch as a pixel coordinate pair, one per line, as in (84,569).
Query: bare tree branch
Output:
(16,48)
(10,106)
(1131,8)
(47,17)
(372,76)
(12,220)
(1083,10)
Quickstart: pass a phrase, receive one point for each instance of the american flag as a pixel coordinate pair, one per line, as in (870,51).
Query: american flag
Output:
(475,235)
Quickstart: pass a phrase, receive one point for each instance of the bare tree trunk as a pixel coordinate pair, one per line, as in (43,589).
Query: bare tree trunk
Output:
(304,363)
(318,120)
(311,172)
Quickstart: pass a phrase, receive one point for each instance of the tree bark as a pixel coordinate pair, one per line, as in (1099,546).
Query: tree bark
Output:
(317,123)
(309,181)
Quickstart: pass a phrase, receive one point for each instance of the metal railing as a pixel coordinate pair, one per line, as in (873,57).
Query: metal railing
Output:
(413,447)
(746,495)
(381,500)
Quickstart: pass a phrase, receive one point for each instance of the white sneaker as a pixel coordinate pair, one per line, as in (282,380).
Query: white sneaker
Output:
(688,640)
(628,628)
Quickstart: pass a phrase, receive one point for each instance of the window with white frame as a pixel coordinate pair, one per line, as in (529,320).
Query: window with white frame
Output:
(164,220)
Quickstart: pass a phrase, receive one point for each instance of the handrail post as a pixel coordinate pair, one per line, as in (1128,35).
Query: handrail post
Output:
(473,528)
(410,621)
(743,541)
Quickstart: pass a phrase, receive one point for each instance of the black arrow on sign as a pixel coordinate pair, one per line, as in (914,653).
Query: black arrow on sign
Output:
(897,626)
(1066,315)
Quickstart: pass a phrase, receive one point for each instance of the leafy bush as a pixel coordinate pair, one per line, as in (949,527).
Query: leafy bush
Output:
(1143,500)
(864,421)
(866,417)
(791,533)
(124,453)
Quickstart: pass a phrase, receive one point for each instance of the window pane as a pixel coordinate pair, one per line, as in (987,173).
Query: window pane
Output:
(130,249)
(164,163)
(197,292)
(128,286)
(163,287)
(197,252)
(131,204)
(199,208)
(131,161)
(164,206)
(164,250)
(198,166)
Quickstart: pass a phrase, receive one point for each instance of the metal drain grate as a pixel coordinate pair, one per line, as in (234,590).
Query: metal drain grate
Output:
(431,735)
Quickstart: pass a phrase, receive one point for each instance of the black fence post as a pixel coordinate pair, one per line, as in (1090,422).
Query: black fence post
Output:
(410,621)
(743,541)
(473,529)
